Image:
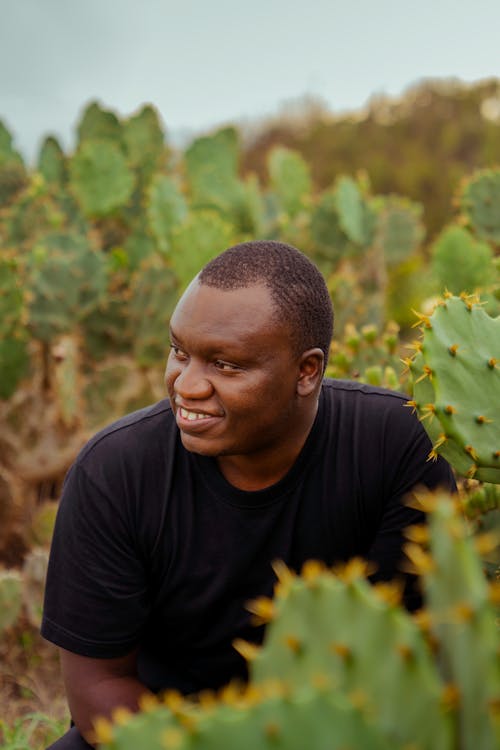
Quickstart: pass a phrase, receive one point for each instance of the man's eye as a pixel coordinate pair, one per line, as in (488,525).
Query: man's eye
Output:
(177,352)
(226,366)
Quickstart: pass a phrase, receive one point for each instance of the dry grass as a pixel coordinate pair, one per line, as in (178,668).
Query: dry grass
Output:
(33,707)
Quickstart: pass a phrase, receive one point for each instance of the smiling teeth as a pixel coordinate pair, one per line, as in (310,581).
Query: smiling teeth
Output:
(191,416)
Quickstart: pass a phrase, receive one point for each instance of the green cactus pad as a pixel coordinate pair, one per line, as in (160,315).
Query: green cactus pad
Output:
(463,621)
(290,179)
(51,162)
(399,229)
(457,387)
(266,719)
(67,281)
(480,202)
(356,217)
(343,630)
(98,124)
(200,238)
(100,178)
(166,209)
(460,262)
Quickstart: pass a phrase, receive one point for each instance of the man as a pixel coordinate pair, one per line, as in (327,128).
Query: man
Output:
(171,517)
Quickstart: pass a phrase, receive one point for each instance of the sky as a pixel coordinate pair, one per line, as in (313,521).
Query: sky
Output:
(204,64)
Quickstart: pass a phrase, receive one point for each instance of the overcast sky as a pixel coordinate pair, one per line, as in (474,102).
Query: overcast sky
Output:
(207,62)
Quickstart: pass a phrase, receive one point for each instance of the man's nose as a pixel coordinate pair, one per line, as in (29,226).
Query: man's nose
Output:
(192,382)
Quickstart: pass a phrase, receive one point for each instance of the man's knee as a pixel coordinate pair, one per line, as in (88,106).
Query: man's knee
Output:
(72,740)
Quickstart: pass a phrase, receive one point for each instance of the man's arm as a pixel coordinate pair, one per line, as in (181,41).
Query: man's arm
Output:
(95,687)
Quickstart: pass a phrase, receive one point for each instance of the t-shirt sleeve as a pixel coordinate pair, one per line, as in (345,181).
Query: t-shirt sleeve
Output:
(407,467)
(96,599)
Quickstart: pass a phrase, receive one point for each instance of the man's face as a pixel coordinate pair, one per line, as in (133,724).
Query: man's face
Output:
(231,374)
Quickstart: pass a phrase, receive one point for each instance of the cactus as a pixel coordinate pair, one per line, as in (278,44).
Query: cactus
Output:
(166,209)
(399,229)
(330,243)
(367,355)
(203,235)
(144,141)
(339,626)
(100,178)
(457,386)
(460,262)
(10,598)
(265,719)
(67,281)
(356,216)
(66,380)
(153,295)
(98,124)
(479,199)
(51,162)
(290,179)
(212,168)
(462,619)
(343,665)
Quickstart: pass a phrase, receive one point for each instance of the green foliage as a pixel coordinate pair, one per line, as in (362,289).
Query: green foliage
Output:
(356,217)
(460,262)
(100,178)
(144,140)
(33,731)
(166,209)
(480,202)
(212,167)
(68,279)
(457,385)
(51,162)
(12,171)
(10,598)
(197,241)
(153,295)
(399,229)
(367,355)
(14,363)
(290,179)
(98,124)
(317,680)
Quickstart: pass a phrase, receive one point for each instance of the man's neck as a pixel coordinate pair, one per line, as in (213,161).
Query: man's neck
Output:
(256,471)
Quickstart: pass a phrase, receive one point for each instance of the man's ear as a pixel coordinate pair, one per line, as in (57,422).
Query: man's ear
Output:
(311,371)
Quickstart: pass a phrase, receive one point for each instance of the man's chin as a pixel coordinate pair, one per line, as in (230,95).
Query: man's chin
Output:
(196,444)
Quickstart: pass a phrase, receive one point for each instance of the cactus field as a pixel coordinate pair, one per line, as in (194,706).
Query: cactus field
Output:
(96,245)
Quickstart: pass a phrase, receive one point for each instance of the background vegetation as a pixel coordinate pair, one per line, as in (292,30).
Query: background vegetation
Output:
(394,204)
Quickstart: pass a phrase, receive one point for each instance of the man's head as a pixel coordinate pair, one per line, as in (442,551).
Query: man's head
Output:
(249,338)
(297,288)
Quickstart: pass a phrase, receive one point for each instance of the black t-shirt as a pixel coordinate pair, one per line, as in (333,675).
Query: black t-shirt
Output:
(154,548)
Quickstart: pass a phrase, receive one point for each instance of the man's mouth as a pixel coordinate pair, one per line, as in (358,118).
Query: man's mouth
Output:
(193,416)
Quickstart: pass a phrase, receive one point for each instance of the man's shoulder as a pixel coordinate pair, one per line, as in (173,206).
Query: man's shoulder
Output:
(132,432)
(353,390)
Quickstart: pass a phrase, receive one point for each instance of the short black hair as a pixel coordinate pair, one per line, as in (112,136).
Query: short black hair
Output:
(297,287)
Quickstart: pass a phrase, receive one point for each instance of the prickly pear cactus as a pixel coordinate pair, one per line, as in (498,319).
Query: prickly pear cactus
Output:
(265,719)
(290,179)
(100,178)
(462,619)
(341,627)
(67,279)
(343,665)
(356,217)
(460,262)
(456,392)
(399,229)
(479,200)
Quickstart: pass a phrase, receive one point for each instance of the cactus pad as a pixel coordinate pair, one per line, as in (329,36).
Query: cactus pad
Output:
(457,386)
